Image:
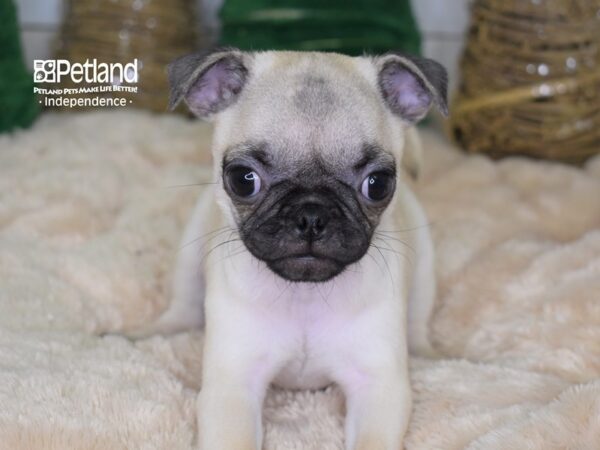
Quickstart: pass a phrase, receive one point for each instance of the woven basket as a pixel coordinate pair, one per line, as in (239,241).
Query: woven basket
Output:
(531,80)
(119,31)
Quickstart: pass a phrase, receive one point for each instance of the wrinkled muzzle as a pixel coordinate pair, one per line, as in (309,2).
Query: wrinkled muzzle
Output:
(307,234)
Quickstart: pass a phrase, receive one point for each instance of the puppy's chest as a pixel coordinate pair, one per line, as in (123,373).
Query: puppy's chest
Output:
(305,355)
(317,342)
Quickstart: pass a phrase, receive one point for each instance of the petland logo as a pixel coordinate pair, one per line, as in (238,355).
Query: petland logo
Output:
(53,70)
(101,84)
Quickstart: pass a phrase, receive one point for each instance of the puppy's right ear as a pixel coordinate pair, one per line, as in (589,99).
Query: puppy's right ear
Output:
(208,82)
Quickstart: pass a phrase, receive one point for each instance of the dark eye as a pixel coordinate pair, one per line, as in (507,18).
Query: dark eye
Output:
(243,181)
(377,186)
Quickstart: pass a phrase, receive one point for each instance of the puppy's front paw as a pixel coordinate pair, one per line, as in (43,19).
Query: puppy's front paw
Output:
(229,418)
(374,442)
(231,444)
(378,411)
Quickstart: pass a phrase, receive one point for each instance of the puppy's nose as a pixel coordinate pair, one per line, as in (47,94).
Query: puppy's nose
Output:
(311,221)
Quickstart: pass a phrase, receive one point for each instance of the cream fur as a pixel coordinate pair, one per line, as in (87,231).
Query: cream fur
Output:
(89,231)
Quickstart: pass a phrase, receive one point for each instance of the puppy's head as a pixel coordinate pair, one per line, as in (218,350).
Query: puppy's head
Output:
(307,146)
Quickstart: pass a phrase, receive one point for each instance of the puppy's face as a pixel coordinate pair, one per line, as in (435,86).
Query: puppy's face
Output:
(307,218)
(307,145)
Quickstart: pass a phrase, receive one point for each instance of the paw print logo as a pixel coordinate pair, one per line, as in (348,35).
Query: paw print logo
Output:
(44,71)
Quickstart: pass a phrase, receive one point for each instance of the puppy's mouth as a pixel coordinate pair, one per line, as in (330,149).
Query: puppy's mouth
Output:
(306,267)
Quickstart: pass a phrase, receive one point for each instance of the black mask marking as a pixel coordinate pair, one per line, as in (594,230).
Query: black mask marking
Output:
(308,224)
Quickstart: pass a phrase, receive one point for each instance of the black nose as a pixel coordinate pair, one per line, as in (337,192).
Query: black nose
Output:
(311,221)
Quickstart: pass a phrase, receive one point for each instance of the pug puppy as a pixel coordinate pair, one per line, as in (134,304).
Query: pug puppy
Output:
(301,260)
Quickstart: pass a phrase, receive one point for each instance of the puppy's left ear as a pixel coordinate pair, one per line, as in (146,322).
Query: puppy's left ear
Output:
(410,85)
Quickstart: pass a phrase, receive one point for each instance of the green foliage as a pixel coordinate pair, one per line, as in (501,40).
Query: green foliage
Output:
(352,27)
(18,105)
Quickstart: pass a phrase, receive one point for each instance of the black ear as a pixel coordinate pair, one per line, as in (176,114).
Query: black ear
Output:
(208,81)
(410,85)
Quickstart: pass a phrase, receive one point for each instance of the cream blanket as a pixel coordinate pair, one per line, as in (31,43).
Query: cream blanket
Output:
(89,229)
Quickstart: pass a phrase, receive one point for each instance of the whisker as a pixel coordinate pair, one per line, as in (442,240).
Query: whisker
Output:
(190,185)
(389,248)
(282,291)
(238,251)
(384,238)
(357,270)
(375,260)
(405,230)
(359,267)
(385,261)
(218,232)
(220,244)
(318,286)
(390,245)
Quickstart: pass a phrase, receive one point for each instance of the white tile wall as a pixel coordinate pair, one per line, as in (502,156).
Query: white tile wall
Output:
(47,13)
(442,23)
(39,20)
(441,17)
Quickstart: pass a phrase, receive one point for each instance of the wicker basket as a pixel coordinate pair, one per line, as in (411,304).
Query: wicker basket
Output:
(531,80)
(119,31)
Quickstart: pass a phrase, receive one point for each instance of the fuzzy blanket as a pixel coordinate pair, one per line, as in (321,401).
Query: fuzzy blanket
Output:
(91,209)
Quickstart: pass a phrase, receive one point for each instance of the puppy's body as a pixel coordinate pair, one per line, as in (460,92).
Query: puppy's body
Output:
(316,125)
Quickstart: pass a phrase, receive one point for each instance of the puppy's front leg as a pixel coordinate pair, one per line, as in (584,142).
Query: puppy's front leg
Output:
(235,379)
(378,405)
(229,416)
